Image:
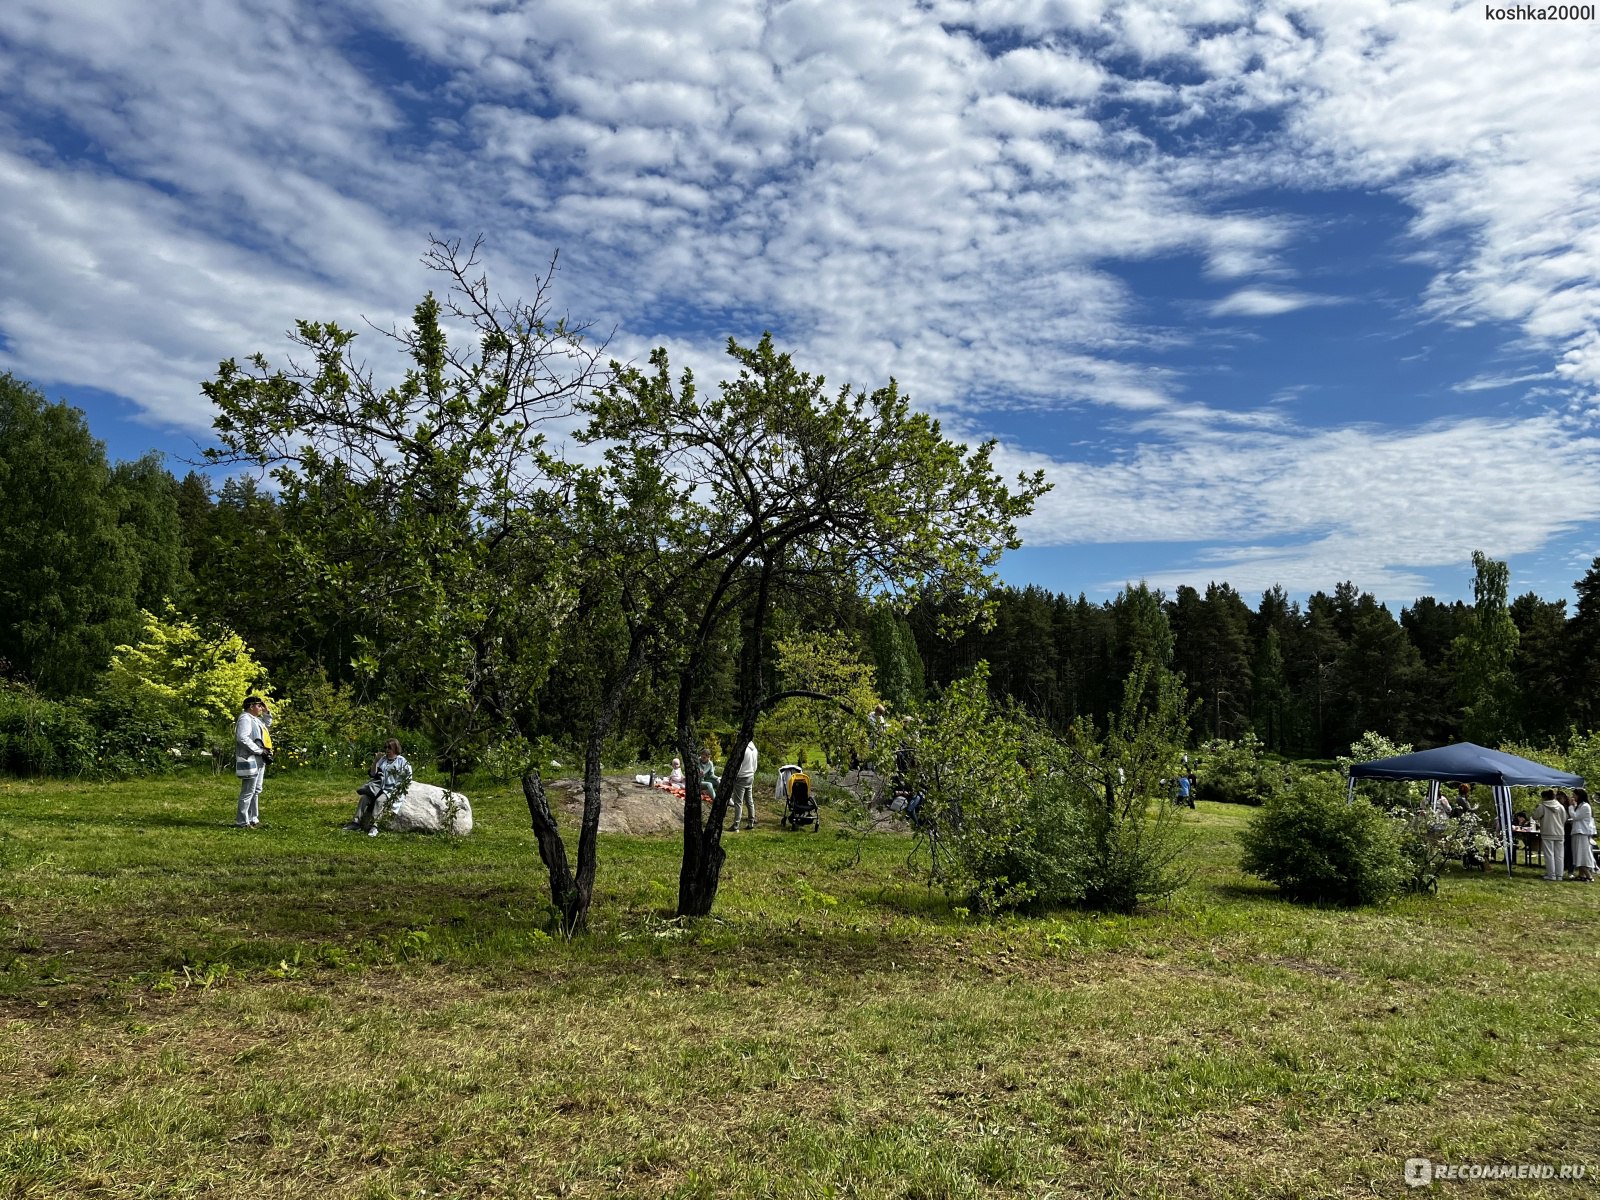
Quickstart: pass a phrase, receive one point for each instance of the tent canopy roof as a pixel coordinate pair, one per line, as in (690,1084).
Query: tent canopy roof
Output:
(1466,763)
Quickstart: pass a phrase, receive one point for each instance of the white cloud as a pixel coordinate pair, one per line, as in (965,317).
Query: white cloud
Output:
(1048,73)
(874,181)
(137,304)
(1304,508)
(1267,302)
(1490,383)
(1484,127)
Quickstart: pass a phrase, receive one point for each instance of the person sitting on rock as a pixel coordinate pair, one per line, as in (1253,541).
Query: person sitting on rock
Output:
(708,775)
(389,776)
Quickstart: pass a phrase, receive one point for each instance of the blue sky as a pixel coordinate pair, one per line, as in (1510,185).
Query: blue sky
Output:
(1275,292)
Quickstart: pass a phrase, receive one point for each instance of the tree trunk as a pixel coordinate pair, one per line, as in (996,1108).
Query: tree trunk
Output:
(703,854)
(701,874)
(571,892)
(564,893)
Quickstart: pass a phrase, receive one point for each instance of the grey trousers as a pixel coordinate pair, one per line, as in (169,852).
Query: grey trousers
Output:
(250,798)
(370,806)
(1555,850)
(744,801)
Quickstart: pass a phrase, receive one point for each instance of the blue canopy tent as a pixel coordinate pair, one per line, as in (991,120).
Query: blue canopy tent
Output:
(1467,763)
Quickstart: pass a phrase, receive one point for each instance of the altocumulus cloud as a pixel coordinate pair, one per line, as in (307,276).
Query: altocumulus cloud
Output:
(1363,504)
(961,195)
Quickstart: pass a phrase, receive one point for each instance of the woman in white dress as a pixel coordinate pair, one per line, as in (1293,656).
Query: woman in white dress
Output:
(1583,836)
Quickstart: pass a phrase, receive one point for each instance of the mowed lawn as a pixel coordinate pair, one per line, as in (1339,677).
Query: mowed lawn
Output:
(191,1010)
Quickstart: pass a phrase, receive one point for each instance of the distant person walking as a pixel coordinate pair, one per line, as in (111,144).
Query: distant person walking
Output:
(1552,818)
(252,751)
(744,799)
(1185,791)
(1571,806)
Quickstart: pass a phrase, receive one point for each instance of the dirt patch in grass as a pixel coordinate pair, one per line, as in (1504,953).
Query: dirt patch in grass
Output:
(1324,970)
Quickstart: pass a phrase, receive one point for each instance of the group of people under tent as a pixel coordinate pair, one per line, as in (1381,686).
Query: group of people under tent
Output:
(389,774)
(1565,824)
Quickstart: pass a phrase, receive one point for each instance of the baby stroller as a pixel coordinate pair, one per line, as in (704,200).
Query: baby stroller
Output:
(799,807)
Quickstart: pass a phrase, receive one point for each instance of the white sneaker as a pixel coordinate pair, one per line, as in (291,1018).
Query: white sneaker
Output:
(373,832)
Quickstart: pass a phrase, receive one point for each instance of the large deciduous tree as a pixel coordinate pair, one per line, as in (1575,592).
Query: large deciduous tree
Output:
(146,498)
(416,510)
(788,487)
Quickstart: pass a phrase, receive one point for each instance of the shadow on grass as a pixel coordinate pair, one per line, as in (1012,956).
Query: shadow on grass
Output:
(914,901)
(210,818)
(1244,891)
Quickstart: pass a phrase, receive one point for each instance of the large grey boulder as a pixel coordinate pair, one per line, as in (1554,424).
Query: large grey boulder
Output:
(423,808)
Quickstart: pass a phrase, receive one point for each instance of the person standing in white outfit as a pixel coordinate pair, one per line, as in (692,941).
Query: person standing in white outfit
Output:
(744,797)
(1583,836)
(251,754)
(1552,818)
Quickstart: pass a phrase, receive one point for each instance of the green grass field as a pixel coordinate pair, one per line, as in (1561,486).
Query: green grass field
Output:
(191,1010)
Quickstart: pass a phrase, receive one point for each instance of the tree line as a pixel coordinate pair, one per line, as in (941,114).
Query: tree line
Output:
(93,543)
(1307,679)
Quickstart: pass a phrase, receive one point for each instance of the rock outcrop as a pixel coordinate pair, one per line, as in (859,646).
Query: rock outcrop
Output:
(424,808)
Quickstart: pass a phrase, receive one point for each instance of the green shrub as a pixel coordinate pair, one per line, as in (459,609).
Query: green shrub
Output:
(1319,847)
(1237,772)
(320,725)
(142,741)
(1392,795)
(1004,829)
(1021,820)
(1133,830)
(43,737)
(1428,841)
(182,677)
(1582,755)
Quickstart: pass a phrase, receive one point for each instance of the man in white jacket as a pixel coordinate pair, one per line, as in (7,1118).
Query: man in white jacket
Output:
(1552,818)
(252,751)
(744,798)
